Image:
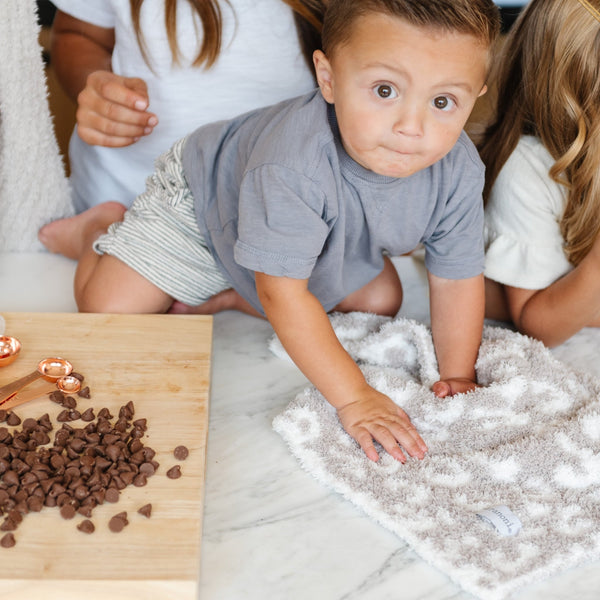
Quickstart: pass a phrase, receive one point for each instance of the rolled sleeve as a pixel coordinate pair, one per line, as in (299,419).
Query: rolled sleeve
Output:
(456,249)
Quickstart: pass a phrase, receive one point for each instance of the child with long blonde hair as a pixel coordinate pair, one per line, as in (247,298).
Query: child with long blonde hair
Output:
(542,155)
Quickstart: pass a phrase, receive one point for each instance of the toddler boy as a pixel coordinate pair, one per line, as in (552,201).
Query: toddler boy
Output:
(296,206)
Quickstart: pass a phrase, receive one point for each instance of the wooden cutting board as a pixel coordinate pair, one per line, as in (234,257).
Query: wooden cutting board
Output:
(162,364)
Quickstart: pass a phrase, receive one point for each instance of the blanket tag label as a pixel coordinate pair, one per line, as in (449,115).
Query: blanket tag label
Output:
(504,521)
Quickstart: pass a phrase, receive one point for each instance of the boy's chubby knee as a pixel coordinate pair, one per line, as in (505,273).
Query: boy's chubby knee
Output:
(387,306)
(382,296)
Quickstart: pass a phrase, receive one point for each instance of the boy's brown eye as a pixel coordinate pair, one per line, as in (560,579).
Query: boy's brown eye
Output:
(441,102)
(384,91)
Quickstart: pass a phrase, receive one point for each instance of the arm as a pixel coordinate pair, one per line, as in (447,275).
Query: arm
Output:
(112,110)
(557,312)
(312,344)
(457,307)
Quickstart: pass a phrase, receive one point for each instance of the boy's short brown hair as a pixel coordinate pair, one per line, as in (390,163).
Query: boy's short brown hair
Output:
(479,18)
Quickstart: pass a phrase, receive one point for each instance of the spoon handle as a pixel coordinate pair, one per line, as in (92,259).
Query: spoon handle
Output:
(27,396)
(11,389)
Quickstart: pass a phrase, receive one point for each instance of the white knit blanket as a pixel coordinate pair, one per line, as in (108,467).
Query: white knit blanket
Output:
(529,440)
(33,186)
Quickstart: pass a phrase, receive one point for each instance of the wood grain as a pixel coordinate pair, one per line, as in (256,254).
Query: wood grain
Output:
(162,364)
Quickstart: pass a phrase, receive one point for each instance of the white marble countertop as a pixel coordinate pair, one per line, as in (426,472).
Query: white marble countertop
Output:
(270,529)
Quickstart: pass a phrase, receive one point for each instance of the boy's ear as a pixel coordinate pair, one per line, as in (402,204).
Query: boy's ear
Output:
(484,90)
(324,75)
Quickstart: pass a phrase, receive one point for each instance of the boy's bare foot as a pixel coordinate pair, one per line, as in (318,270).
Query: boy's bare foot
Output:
(225,300)
(71,236)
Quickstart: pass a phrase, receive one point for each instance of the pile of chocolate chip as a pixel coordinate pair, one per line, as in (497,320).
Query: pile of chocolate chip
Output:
(84,467)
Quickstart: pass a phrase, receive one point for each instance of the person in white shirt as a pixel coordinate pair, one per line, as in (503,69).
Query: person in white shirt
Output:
(146,73)
(542,156)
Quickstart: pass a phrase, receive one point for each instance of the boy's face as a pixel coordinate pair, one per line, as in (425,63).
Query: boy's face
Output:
(402,94)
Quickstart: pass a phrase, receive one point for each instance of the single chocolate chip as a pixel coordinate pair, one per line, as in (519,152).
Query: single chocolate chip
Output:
(117,522)
(62,416)
(113,452)
(35,503)
(112,495)
(13,419)
(121,425)
(56,396)
(88,414)
(41,438)
(28,478)
(147,469)
(85,510)
(15,516)
(44,422)
(174,472)
(181,453)
(84,392)
(146,510)
(127,477)
(81,492)
(77,376)
(10,478)
(29,424)
(86,526)
(67,511)
(103,426)
(135,446)
(99,495)
(102,463)
(140,480)
(110,439)
(7,540)
(8,525)
(69,402)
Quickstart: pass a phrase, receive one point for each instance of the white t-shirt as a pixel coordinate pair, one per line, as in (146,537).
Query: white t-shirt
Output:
(261,63)
(524,245)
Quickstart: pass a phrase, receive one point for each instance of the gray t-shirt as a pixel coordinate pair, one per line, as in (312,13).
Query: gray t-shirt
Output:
(275,192)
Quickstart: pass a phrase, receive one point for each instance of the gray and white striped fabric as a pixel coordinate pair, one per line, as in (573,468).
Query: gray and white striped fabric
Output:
(159,237)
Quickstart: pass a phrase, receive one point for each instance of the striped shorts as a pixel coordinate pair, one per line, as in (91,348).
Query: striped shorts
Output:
(159,237)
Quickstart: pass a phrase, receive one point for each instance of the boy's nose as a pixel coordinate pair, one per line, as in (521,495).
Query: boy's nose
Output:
(409,121)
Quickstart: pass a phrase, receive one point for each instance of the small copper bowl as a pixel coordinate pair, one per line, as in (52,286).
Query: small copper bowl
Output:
(9,350)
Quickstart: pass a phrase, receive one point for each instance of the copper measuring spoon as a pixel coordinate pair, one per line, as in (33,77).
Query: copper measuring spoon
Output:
(51,369)
(9,350)
(69,384)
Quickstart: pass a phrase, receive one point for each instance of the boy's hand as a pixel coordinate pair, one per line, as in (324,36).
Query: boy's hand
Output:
(305,331)
(112,110)
(375,417)
(449,387)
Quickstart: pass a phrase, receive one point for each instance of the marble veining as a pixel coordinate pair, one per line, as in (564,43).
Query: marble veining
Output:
(270,530)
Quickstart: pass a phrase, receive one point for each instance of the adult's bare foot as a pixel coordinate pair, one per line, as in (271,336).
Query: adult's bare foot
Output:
(73,235)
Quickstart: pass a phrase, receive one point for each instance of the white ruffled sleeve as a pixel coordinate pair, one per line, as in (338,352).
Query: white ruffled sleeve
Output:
(524,245)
